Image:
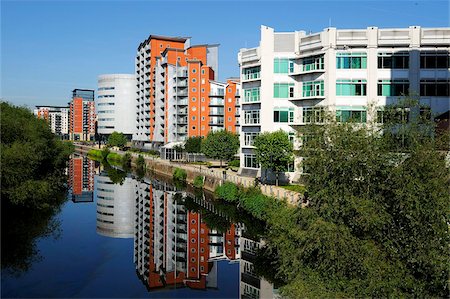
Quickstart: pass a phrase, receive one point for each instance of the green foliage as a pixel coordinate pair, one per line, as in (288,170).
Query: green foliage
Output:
(126,162)
(117,139)
(221,145)
(95,154)
(296,188)
(32,159)
(199,181)
(273,150)
(116,175)
(105,152)
(114,159)
(228,191)
(234,163)
(179,174)
(140,166)
(193,144)
(377,223)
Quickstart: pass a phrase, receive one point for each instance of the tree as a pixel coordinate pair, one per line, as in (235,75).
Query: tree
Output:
(273,151)
(221,145)
(117,139)
(32,159)
(377,222)
(193,144)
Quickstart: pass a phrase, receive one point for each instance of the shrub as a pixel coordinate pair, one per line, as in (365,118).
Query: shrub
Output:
(114,159)
(126,161)
(234,163)
(199,181)
(95,154)
(228,191)
(105,152)
(179,174)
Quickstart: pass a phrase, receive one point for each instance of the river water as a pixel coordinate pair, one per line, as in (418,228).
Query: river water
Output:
(119,236)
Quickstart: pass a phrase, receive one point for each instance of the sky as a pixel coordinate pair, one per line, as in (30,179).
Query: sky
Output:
(49,48)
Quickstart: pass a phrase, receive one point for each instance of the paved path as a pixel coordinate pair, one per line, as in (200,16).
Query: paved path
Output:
(293,198)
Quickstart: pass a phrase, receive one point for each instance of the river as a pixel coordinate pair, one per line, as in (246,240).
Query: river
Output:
(120,236)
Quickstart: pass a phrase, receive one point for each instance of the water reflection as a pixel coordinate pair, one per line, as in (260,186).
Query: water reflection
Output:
(81,179)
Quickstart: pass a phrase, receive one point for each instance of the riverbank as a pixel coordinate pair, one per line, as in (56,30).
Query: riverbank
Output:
(213,177)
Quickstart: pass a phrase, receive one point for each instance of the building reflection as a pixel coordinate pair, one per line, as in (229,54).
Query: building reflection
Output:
(173,247)
(115,206)
(81,172)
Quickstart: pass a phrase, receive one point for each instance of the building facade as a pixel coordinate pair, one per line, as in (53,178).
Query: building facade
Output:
(81,172)
(177,93)
(57,117)
(116,104)
(82,115)
(292,77)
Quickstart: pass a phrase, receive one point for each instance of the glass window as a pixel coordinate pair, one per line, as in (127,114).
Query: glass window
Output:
(398,60)
(438,88)
(351,87)
(283,90)
(351,60)
(356,115)
(281,66)
(251,73)
(313,63)
(249,137)
(313,115)
(250,161)
(283,115)
(431,60)
(251,95)
(251,116)
(313,89)
(393,88)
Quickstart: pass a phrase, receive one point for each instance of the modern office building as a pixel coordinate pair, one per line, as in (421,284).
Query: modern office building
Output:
(57,117)
(82,115)
(115,207)
(292,77)
(177,93)
(116,104)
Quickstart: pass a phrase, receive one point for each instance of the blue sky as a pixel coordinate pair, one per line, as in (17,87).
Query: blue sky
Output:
(49,48)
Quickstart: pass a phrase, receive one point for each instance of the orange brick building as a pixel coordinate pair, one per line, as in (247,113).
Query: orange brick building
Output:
(177,92)
(82,115)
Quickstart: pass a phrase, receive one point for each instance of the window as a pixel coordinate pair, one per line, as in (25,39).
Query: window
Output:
(313,89)
(203,118)
(194,80)
(358,115)
(249,137)
(434,60)
(251,117)
(203,72)
(283,115)
(437,88)
(398,60)
(106,96)
(194,99)
(313,115)
(193,118)
(280,65)
(193,128)
(313,63)
(203,99)
(393,88)
(230,90)
(106,104)
(351,87)
(194,71)
(106,88)
(194,89)
(203,90)
(250,161)
(351,60)
(251,95)
(229,109)
(251,73)
(291,66)
(283,90)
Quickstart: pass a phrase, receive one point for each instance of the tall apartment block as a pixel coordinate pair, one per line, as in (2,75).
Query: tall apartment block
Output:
(177,93)
(82,115)
(57,117)
(115,104)
(292,77)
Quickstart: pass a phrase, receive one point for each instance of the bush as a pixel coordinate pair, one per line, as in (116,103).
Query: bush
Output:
(126,161)
(95,154)
(199,181)
(234,163)
(114,159)
(179,174)
(105,152)
(228,191)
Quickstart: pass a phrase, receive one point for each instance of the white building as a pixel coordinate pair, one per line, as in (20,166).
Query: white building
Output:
(56,116)
(115,207)
(116,104)
(292,76)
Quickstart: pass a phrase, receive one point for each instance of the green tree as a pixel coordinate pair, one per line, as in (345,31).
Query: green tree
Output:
(221,145)
(32,159)
(193,144)
(117,139)
(377,221)
(274,151)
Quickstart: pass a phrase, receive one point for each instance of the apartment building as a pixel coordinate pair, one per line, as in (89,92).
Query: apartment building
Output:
(82,115)
(57,117)
(81,172)
(116,104)
(292,77)
(173,247)
(178,95)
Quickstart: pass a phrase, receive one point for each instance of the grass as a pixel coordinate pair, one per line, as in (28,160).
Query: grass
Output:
(295,188)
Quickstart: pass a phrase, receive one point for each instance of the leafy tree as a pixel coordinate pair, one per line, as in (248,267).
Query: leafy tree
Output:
(117,139)
(221,145)
(32,159)
(377,222)
(193,144)
(273,151)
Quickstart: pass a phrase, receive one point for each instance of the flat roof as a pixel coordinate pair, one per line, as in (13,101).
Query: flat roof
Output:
(161,37)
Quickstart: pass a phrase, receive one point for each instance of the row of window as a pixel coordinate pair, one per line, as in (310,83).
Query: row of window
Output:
(106,88)
(106,119)
(106,104)
(106,96)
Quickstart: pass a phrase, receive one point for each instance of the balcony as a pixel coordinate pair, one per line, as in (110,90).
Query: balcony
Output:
(182,130)
(182,93)
(216,112)
(182,73)
(216,102)
(217,93)
(216,121)
(182,120)
(182,111)
(248,55)
(182,102)
(182,83)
